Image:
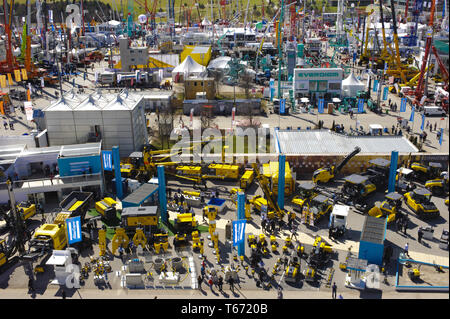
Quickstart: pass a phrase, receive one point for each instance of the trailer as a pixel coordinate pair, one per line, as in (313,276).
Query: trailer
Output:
(77,204)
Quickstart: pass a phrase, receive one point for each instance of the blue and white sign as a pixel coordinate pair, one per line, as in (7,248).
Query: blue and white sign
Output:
(411,118)
(282,106)
(239,231)
(441,137)
(360,105)
(73,229)
(375,86)
(385,93)
(321,106)
(403,105)
(385,67)
(271,88)
(354,55)
(107,160)
(422,126)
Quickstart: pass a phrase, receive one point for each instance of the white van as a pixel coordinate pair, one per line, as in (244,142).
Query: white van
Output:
(433,110)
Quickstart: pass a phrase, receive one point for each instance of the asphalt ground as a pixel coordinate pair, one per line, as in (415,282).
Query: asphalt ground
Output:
(13,282)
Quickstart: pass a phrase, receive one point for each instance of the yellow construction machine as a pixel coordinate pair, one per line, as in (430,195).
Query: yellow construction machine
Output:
(324,175)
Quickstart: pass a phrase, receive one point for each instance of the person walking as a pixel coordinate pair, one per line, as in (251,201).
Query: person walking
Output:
(406,250)
(231,283)
(334,290)
(5,124)
(202,271)
(294,231)
(419,235)
(210,283)
(31,285)
(63,294)
(435,125)
(280,293)
(121,253)
(220,283)
(405,225)
(199,281)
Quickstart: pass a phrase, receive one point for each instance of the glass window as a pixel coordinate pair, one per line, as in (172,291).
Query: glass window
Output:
(313,85)
(322,85)
(334,86)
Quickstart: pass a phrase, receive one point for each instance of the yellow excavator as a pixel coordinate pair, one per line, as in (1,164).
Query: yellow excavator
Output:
(325,174)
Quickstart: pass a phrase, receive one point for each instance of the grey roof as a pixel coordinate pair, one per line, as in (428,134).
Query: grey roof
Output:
(141,194)
(356,264)
(356,179)
(380,162)
(136,211)
(394,196)
(87,149)
(328,142)
(373,230)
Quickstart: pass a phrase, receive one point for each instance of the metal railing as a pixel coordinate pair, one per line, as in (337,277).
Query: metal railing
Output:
(55,181)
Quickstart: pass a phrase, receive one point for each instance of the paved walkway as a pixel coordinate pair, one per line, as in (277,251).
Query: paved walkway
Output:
(353,246)
(54,293)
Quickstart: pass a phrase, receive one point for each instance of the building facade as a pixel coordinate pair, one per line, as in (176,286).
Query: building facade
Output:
(318,82)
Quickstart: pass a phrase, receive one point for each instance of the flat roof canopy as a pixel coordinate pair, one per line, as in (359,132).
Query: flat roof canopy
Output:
(310,142)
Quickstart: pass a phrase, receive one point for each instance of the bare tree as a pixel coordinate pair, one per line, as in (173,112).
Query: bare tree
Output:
(166,117)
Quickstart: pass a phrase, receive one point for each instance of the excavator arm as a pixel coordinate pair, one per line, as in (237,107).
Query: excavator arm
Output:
(264,184)
(346,159)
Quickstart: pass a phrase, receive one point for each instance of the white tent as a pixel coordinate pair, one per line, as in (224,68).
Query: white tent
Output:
(351,85)
(219,63)
(206,22)
(188,68)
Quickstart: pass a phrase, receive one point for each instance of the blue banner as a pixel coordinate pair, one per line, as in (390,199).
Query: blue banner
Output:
(271,88)
(239,231)
(385,93)
(107,160)
(411,118)
(375,85)
(360,105)
(403,105)
(73,229)
(282,106)
(354,56)
(441,137)
(321,106)
(422,126)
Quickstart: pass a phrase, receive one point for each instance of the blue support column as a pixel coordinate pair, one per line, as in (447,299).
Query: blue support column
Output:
(162,194)
(281,181)
(393,171)
(241,215)
(116,161)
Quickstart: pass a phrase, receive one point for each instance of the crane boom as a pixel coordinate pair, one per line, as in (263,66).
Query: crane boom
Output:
(441,64)
(264,184)
(420,84)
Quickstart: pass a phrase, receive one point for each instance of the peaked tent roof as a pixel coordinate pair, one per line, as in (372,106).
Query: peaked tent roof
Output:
(189,66)
(351,80)
(206,22)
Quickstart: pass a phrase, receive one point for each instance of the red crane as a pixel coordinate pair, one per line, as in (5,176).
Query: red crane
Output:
(444,70)
(10,64)
(429,34)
